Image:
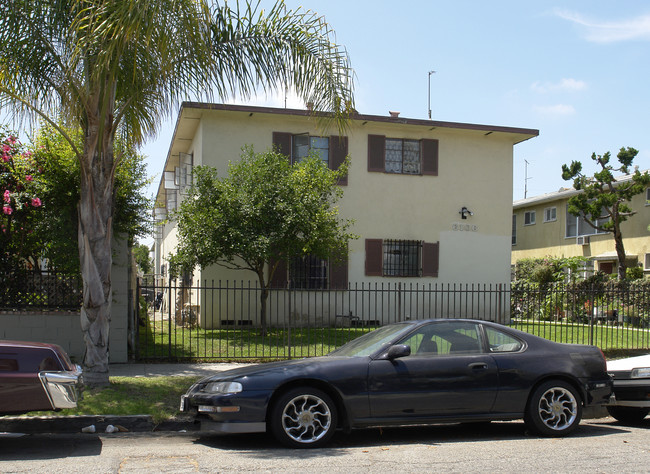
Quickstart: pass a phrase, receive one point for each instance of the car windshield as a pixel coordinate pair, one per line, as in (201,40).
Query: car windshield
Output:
(373,341)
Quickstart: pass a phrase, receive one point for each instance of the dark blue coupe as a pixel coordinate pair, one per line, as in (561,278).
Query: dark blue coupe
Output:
(409,373)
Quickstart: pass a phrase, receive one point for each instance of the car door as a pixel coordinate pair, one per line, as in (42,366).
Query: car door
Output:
(447,374)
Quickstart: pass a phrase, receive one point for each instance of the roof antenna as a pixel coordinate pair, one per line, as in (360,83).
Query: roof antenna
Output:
(430,72)
(526,178)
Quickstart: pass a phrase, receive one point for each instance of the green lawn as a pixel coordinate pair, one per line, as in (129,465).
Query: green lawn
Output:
(279,343)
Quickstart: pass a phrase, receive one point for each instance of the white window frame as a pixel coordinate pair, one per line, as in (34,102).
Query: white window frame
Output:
(530,217)
(550,214)
(514,229)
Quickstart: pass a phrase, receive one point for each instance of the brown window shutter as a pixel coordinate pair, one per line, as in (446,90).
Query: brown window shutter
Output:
(338,152)
(429,151)
(430,259)
(339,274)
(374,257)
(282,143)
(279,279)
(376,153)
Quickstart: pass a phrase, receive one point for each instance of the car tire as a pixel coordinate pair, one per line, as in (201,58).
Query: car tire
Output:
(554,409)
(303,418)
(628,415)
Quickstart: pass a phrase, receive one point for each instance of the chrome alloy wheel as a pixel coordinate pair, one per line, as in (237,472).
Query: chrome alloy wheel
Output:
(306,419)
(558,408)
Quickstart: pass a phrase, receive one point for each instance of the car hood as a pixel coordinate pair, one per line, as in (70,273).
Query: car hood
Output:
(629,363)
(269,374)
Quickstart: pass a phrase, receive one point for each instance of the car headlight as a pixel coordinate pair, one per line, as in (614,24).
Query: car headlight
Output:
(223,387)
(640,373)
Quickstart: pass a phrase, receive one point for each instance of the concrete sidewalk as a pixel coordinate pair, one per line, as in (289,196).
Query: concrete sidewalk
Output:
(158,370)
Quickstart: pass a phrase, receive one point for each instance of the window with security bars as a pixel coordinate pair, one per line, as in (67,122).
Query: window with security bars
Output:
(402,156)
(402,257)
(309,272)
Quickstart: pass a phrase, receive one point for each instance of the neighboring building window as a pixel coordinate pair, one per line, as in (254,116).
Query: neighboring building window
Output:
(401,258)
(647,197)
(402,156)
(550,214)
(303,144)
(309,272)
(578,226)
(529,218)
(514,229)
(647,262)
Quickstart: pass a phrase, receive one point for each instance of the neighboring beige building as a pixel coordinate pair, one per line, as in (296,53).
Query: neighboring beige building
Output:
(431,200)
(541,226)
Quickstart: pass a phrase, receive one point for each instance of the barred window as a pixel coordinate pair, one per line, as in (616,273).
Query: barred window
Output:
(402,257)
(309,272)
(402,156)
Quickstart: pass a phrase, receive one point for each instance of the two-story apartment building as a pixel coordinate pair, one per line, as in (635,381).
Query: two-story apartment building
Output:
(542,226)
(431,200)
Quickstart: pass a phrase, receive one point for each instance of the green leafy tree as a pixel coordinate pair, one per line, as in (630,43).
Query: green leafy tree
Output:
(117,68)
(60,187)
(603,202)
(265,211)
(142,258)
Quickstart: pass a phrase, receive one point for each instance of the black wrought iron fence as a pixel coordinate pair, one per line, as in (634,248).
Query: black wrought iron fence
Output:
(222,320)
(24,290)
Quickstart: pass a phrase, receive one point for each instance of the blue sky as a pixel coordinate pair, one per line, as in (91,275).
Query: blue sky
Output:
(576,71)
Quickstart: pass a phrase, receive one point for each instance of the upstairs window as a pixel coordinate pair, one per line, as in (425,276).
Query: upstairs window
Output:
(529,218)
(514,229)
(303,144)
(332,150)
(550,214)
(402,156)
(578,226)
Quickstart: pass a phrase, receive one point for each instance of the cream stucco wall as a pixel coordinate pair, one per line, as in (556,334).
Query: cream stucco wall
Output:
(475,170)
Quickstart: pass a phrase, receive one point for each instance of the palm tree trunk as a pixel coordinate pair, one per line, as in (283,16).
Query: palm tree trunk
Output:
(95,238)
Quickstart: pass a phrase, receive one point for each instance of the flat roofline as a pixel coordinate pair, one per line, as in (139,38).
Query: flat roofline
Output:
(363,117)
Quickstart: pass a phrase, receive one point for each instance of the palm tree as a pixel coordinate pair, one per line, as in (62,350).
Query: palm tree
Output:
(118,68)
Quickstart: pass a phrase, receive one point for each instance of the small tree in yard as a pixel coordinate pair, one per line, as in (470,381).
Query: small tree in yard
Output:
(265,211)
(603,200)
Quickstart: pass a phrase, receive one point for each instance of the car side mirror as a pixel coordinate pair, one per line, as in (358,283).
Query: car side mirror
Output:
(397,351)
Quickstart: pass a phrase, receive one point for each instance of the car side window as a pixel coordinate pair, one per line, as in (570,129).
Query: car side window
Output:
(502,342)
(445,338)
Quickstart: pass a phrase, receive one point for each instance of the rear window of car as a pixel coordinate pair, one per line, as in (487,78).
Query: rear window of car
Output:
(502,342)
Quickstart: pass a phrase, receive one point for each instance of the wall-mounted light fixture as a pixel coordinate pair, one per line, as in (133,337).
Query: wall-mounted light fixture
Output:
(464,212)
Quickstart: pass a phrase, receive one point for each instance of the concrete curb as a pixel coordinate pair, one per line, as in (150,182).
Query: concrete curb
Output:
(83,424)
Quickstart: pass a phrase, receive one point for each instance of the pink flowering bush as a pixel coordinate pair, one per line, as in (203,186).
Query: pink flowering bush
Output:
(19,187)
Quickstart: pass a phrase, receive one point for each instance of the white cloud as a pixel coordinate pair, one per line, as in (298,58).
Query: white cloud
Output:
(637,28)
(565,85)
(559,109)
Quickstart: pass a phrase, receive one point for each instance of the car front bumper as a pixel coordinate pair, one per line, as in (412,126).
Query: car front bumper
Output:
(631,393)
